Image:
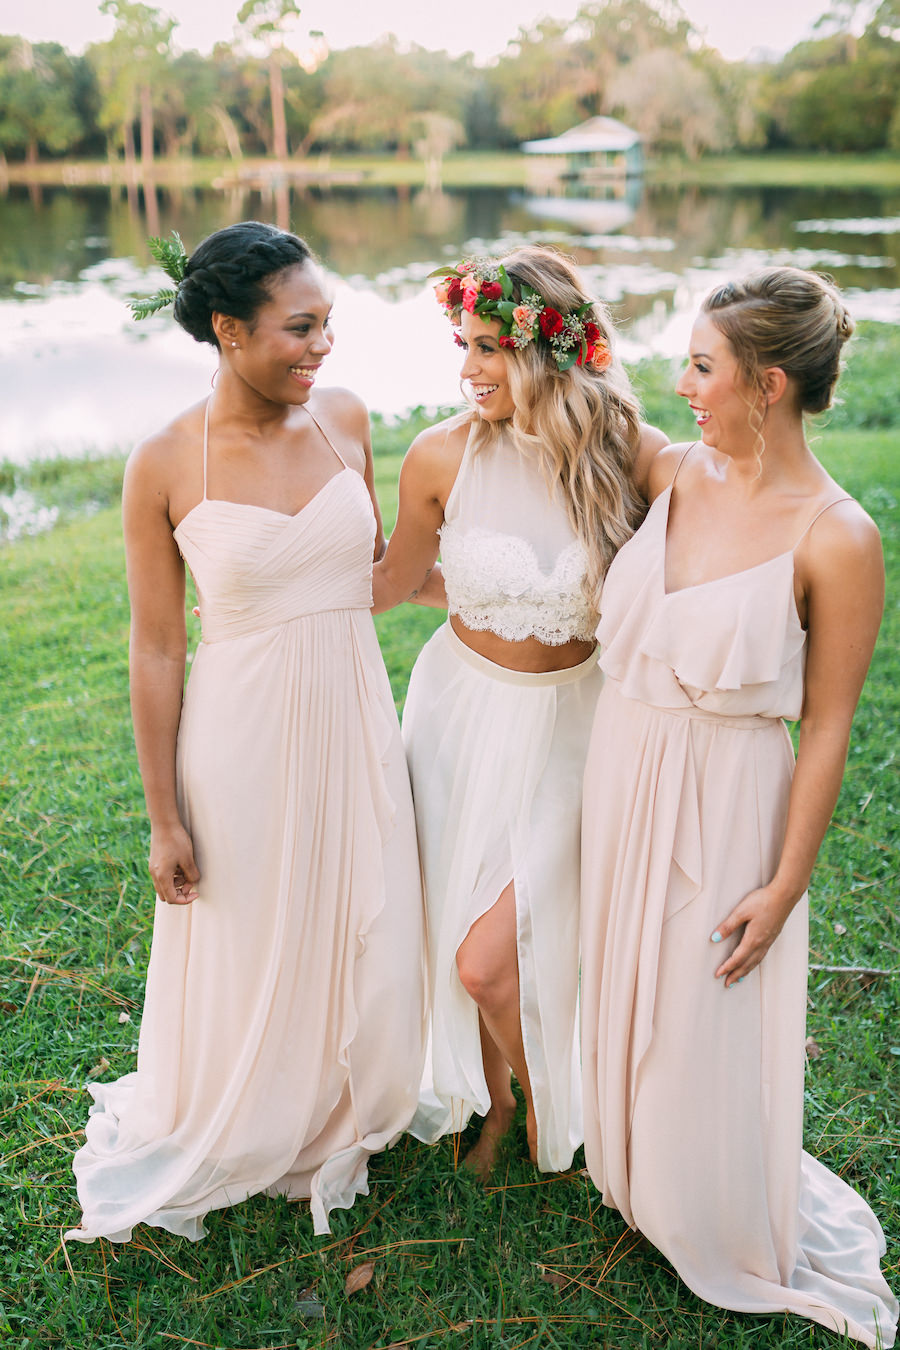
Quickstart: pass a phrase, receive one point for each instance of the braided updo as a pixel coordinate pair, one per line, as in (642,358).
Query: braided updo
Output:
(228,273)
(782,316)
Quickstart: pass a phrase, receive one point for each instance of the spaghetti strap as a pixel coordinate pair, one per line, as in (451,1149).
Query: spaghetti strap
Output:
(316,423)
(680,462)
(205,445)
(845,498)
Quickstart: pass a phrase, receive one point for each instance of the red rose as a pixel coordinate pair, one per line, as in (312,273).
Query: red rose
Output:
(454,293)
(550,321)
(591,332)
(506,341)
(491,290)
(457,339)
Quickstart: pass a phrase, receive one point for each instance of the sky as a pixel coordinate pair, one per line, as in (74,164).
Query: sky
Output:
(464,25)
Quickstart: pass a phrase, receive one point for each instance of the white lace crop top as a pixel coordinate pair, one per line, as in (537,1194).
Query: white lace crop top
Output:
(512,563)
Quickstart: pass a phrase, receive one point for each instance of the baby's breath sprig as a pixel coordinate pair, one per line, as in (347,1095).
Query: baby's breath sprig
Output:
(170,255)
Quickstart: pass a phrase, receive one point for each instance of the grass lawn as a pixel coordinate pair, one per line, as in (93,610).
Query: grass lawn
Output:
(533,1261)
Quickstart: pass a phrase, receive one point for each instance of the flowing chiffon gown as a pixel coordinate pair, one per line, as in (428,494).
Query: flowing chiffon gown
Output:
(283,1030)
(693,1093)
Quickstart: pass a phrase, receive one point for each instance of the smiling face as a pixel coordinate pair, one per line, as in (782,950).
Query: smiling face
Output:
(486,367)
(279,353)
(715,387)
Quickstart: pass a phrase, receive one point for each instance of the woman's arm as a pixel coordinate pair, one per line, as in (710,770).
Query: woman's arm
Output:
(426,477)
(157,660)
(648,461)
(843,583)
(369,476)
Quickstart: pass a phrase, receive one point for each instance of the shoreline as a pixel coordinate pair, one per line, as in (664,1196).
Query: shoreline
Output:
(499,169)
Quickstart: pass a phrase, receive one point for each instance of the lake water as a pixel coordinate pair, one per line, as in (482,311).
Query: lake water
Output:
(77,374)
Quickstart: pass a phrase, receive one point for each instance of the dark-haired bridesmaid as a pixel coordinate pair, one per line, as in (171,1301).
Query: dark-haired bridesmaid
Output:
(287,943)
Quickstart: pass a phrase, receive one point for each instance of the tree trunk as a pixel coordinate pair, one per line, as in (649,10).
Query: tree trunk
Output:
(130,157)
(276,98)
(31,152)
(146,130)
(228,129)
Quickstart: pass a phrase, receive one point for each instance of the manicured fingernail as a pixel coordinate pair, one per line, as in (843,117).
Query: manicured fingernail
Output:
(740,979)
(716,937)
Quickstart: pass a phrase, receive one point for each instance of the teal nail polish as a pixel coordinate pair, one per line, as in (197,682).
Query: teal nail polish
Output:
(741,979)
(716,937)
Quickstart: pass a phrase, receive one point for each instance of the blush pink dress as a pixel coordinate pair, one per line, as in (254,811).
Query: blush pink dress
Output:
(693,1108)
(283,1029)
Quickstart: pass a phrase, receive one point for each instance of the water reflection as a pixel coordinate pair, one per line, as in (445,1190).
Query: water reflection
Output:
(79,374)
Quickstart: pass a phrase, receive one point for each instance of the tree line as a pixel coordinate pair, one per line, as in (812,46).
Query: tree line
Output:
(136,96)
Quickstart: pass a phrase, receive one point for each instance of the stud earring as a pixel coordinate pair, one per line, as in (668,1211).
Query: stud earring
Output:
(234,344)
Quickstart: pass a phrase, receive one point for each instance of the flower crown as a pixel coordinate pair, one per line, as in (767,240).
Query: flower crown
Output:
(482,286)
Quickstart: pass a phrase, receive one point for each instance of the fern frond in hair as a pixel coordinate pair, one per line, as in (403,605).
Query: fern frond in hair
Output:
(170,255)
(151,304)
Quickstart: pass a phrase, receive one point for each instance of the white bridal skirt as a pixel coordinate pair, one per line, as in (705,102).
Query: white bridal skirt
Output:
(496,760)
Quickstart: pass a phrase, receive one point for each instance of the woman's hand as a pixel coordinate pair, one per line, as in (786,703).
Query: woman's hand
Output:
(172,865)
(762,914)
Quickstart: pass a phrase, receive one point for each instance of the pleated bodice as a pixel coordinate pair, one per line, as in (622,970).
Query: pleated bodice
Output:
(255,568)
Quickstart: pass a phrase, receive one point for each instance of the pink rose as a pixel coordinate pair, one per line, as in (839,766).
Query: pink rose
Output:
(469,298)
(601,357)
(522,317)
(442,291)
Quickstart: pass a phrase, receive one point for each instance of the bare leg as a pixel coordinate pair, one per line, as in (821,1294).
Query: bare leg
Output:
(489,970)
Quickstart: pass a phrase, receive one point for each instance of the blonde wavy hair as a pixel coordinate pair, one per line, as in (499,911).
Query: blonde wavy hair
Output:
(582,424)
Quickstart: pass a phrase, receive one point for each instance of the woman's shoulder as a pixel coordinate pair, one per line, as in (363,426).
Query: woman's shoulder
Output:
(166,451)
(443,442)
(840,529)
(658,464)
(341,408)
(433,459)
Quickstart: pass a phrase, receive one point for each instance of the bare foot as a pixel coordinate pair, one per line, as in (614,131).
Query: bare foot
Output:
(482,1156)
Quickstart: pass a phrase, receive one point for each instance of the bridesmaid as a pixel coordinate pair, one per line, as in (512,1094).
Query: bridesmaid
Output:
(752,593)
(282,842)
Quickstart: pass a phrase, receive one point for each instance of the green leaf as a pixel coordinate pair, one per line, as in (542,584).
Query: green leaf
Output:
(170,255)
(151,304)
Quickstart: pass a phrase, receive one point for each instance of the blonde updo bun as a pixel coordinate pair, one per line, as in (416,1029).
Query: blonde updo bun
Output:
(782,316)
